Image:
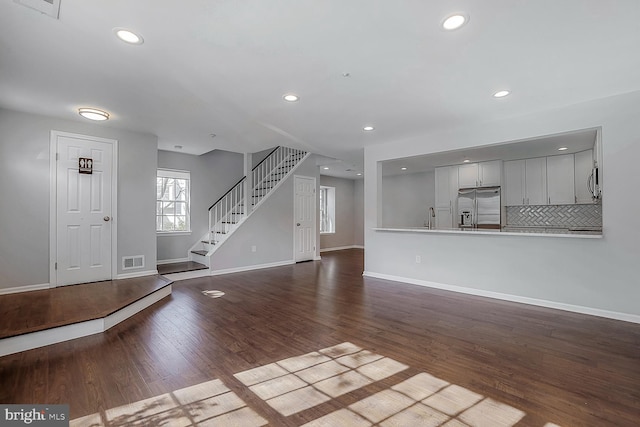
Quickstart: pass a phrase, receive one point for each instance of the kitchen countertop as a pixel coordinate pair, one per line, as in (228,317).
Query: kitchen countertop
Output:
(580,233)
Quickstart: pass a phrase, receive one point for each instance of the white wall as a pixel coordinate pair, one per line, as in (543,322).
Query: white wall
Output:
(348,212)
(212,175)
(599,275)
(358,212)
(406,199)
(24,191)
(270,229)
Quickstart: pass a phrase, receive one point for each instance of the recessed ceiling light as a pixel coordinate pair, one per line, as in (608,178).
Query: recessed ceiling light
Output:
(93,114)
(454,22)
(359,174)
(368,128)
(501,94)
(562,148)
(326,168)
(466,161)
(128,36)
(403,168)
(291,97)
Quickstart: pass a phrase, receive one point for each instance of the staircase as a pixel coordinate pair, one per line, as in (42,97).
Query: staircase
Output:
(229,212)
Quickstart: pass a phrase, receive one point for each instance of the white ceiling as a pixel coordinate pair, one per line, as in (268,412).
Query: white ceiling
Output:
(223,66)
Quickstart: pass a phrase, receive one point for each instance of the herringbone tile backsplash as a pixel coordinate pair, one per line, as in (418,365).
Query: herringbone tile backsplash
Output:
(555,216)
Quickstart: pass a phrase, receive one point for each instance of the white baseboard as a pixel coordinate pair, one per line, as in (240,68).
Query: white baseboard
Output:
(185,275)
(38,339)
(26,288)
(171,261)
(339,248)
(626,317)
(137,274)
(251,267)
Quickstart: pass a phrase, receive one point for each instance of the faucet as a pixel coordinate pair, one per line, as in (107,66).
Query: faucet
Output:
(432,214)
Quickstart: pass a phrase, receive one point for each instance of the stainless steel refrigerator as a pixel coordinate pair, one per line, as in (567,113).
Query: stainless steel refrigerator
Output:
(479,208)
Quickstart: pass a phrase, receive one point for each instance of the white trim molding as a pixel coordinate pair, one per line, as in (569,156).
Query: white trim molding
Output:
(26,288)
(53,198)
(251,267)
(339,248)
(626,317)
(171,261)
(137,274)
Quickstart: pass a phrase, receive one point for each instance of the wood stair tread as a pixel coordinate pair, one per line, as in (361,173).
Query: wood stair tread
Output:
(201,253)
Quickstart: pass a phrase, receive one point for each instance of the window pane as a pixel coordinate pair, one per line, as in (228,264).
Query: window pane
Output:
(180,223)
(167,223)
(168,208)
(180,208)
(181,189)
(158,223)
(158,208)
(159,186)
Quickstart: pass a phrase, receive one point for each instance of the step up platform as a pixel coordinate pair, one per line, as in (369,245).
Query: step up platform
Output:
(40,318)
(181,267)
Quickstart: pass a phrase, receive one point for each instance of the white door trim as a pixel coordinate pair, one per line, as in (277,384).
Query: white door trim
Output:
(315,216)
(53,197)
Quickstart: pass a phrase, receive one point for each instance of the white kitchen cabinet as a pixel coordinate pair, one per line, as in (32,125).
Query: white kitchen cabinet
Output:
(525,182)
(490,173)
(446,196)
(483,174)
(468,175)
(514,183)
(536,181)
(583,169)
(561,180)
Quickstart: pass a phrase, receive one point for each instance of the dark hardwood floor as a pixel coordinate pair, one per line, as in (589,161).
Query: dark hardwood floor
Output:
(374,353)
(180,267)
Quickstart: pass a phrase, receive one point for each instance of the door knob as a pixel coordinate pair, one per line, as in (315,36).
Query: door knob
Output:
(298,224)
(106,218)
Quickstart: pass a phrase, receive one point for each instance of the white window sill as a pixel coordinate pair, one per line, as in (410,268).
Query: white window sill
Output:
(327,232)
(173,233)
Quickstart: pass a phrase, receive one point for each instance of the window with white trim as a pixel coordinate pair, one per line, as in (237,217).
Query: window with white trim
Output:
(327,209)
(172,201)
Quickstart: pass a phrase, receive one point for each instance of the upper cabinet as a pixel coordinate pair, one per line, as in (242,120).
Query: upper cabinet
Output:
(583,169)
(525,182)
(561,180)
(484,174)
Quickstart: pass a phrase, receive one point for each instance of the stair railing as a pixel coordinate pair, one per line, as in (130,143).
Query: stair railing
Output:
(226,211)
(237,203)
(274,167)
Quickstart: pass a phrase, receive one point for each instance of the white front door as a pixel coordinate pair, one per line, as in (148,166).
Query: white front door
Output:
(305,218)
(83,209)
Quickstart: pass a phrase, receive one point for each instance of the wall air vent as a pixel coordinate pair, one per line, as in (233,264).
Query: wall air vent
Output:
(47,7)
(131,262)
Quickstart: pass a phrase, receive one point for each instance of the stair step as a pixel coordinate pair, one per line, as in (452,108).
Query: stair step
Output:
(206,242)
(201,253)
(228,222)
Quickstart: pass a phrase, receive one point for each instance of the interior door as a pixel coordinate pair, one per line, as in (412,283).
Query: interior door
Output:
(305,218)
(84,223)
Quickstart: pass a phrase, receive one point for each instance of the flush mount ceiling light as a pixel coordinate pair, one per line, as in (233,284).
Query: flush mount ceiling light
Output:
(501,94)
(290,97)
(466,161)
(326,168)
(403,168)
(454,22)
(368,128)
(128,36)
(359,174)
(562,148)
(93,114)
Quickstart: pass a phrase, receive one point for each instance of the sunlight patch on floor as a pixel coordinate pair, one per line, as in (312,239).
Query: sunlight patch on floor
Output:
(295,384)
(208,403)
(292,385)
